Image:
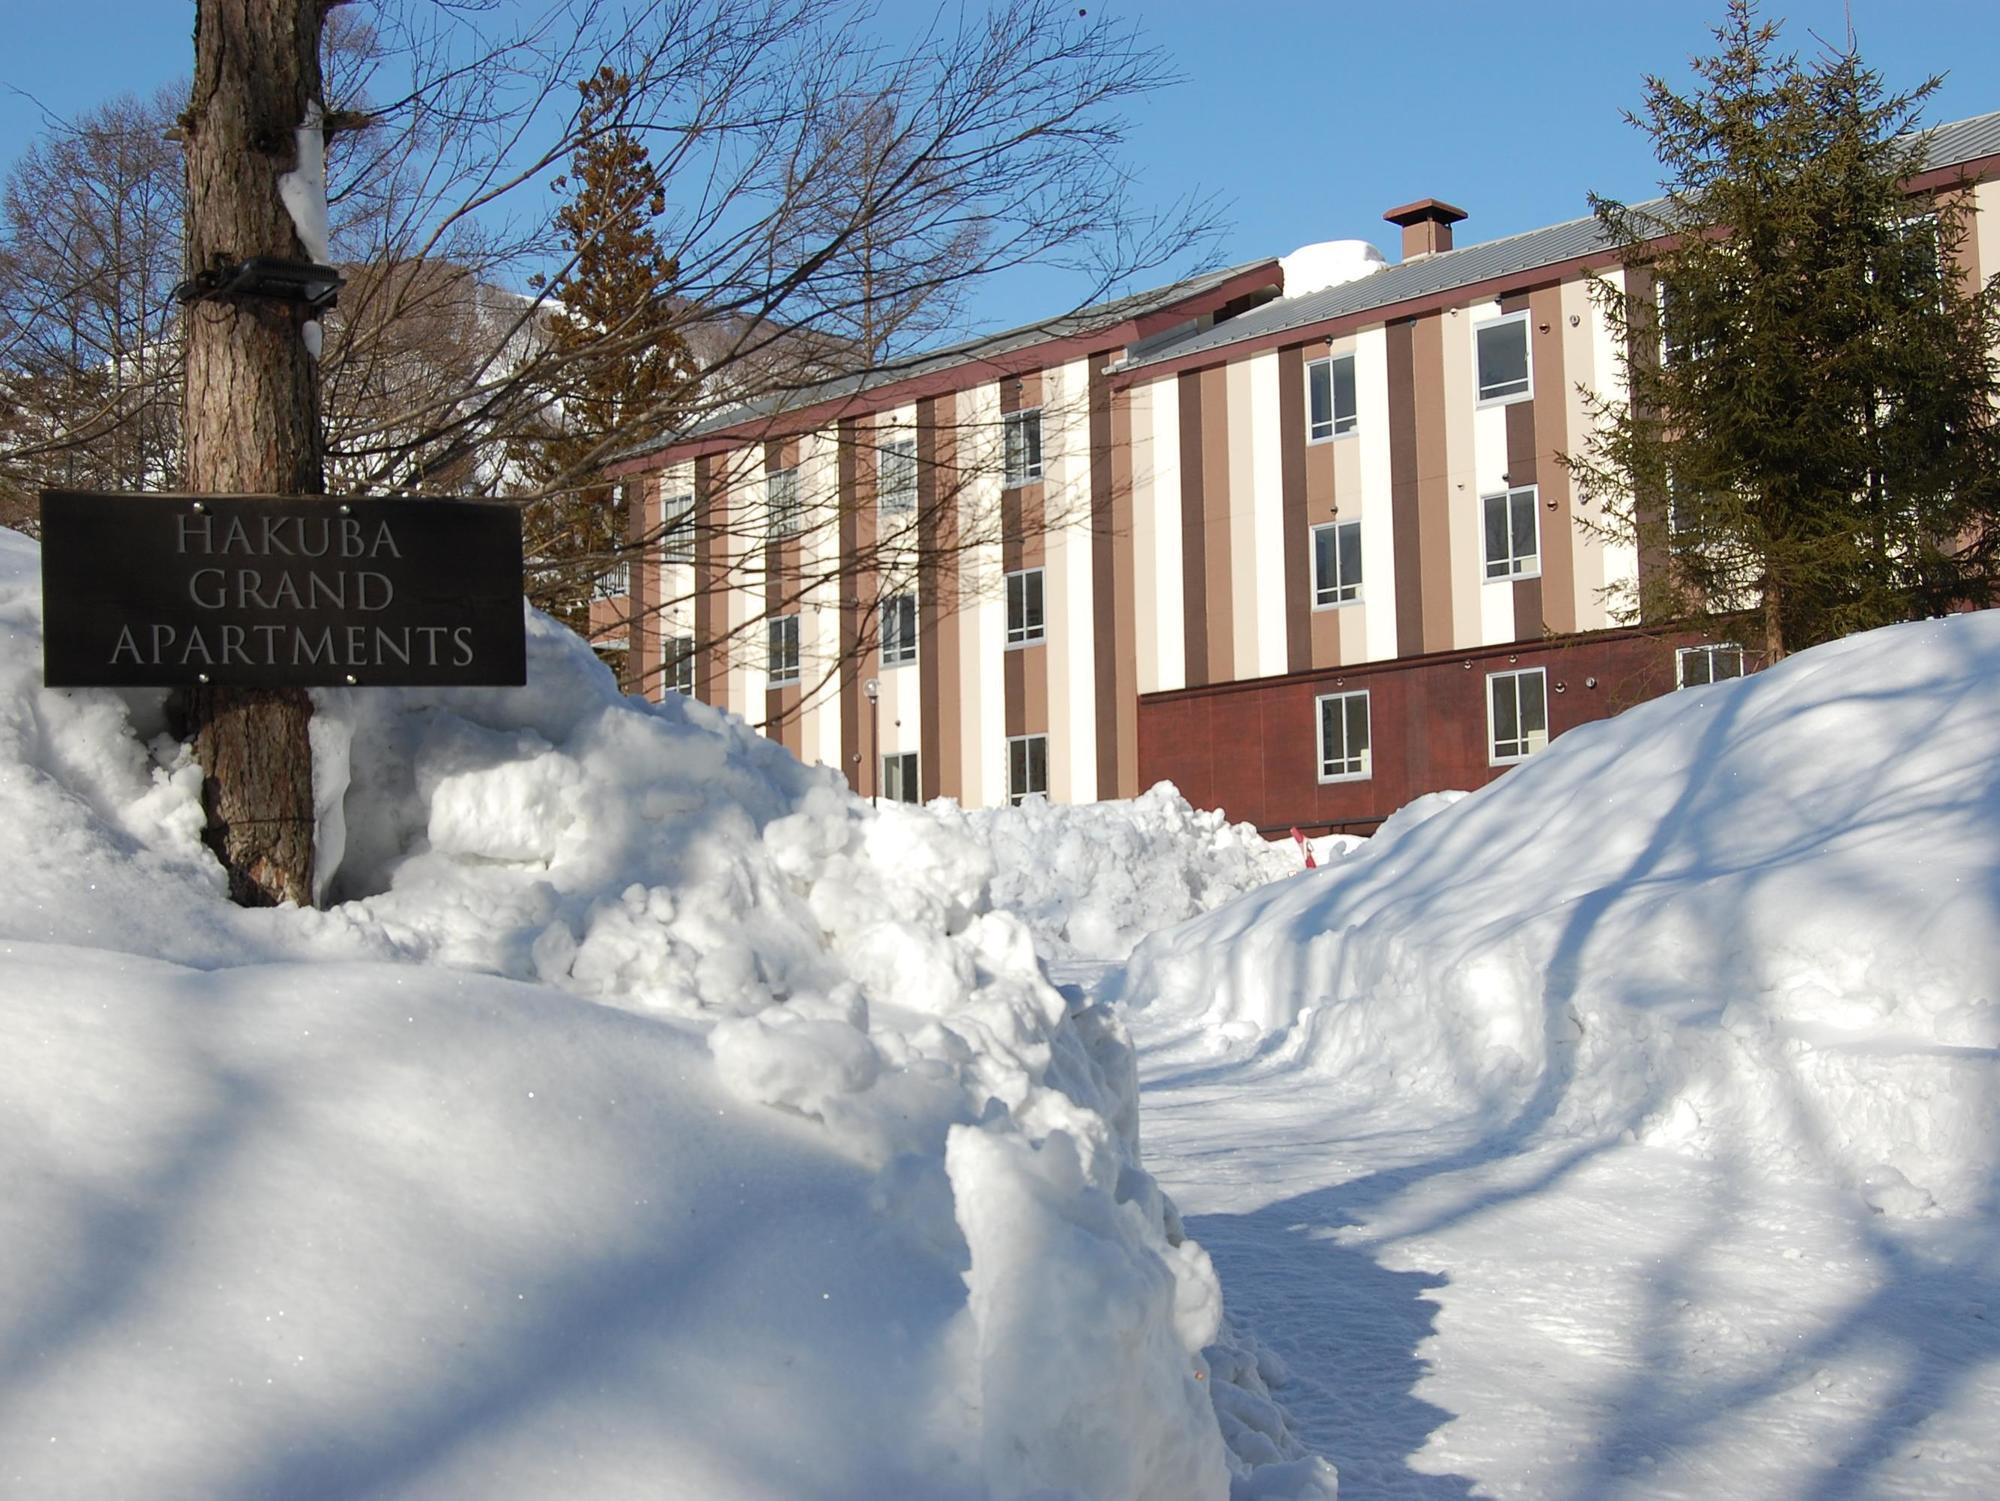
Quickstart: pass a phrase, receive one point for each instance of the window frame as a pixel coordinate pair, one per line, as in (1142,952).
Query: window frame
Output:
(679,662)
(913,782)
(1336,425)
(906,650)
(1027,474)
(1334,599)
(791,521)
(892,445)
(1527,391)
(777,671)
(1366,758)
(677,529)
(1534,747)
(1510,563)
(1016,797)
(1708,650)
(1027,635)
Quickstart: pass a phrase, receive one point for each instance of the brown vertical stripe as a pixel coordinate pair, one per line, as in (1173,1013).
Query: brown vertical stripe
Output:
(1298,539)
(1125,613)
(1403,486)
(1216,499)
(937,451)
(642,630)
(1558,601)
(845,462)
(1194,567)
(1434,485)
(1323,504)
(773,603)
(930,602)
(1969,264)
(1522,469)
(1034,692)
(1104,575)
(1014,685)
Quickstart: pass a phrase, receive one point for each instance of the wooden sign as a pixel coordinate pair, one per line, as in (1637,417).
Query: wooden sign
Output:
(309,591)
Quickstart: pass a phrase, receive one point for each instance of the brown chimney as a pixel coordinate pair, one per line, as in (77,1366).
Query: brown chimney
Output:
(1426,226)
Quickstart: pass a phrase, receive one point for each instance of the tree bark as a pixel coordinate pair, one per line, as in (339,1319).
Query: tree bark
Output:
(251,408)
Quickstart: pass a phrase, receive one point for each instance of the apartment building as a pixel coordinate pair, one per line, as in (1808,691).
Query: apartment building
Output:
(1294,535)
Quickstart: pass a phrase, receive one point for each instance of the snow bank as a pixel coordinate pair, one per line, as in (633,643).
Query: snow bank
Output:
(1091,879)
(650,1117)
(1755,920)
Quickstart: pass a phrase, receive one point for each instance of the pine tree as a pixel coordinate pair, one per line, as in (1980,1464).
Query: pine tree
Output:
(618,371)
(1810,436)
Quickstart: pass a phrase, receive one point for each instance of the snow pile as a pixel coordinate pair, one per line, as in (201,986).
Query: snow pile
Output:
(1329,263)
(1092,879)
(1754,922)
(650,1118)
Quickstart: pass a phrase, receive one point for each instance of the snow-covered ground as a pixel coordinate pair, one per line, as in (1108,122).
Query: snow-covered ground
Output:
(646,1117)
(1630,1128)
(1092,879)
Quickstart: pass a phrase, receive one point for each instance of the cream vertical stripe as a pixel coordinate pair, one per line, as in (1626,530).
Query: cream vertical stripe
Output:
(1245,622)
(1163,641)
(1378,542)
(1267,495)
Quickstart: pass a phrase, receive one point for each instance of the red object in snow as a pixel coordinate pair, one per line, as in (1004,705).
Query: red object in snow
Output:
(1304,849)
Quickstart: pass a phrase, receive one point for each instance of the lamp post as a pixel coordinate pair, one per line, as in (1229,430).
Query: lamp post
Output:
(873,688)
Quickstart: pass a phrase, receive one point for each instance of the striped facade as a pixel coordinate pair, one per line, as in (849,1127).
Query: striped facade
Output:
(1185,631)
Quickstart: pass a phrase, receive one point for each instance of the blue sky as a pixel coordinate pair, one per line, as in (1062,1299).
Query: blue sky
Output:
(1308,120)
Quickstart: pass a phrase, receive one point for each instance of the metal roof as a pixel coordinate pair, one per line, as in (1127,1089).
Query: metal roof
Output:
(1959,141)
(973,351)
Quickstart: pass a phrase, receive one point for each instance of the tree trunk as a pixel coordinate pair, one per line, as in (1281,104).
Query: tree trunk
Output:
(251,409)
(1774,623)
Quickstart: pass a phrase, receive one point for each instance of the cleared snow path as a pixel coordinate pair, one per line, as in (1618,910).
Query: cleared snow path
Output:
(1465,1317)
(1631,1127)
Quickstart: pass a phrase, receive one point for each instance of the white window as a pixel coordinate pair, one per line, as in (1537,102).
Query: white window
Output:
(896,480)
(1027,766)
(1502,348)
(1343,736)
(787,515)
(899,778)
(1678,341)
(677,538)
(680,665)
(1023,432)
(1696,666)
(1517,714)
(784,653)
(1336,563)
(899,630)
(1513,534)
(614,583)
(1026,623)
(1330,406)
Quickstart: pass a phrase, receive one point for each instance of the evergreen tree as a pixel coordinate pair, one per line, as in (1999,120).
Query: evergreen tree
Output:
(1810,434)
(617,371)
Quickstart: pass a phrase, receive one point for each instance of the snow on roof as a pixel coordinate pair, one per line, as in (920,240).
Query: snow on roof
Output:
(1950,145)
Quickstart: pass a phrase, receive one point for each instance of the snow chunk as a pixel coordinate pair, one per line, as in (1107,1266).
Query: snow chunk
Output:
(1329,263)
(1105,1400)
